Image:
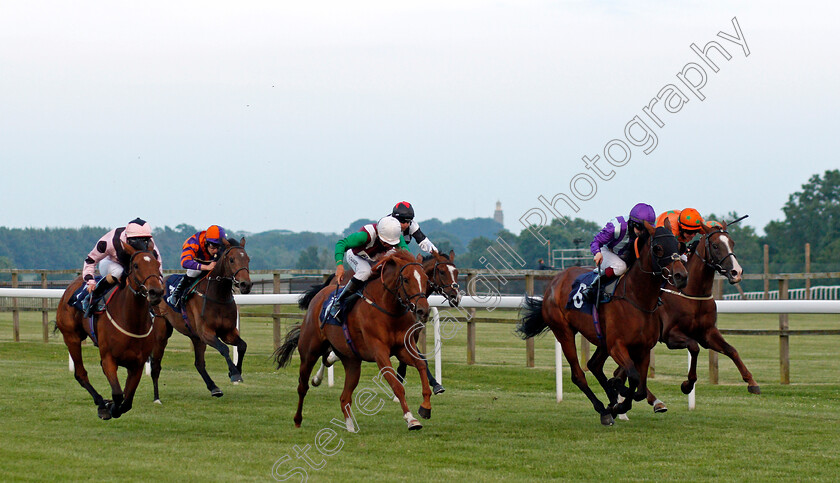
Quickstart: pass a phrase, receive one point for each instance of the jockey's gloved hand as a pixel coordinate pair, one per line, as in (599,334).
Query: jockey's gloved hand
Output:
(427,246)
(91,284)
(684,258)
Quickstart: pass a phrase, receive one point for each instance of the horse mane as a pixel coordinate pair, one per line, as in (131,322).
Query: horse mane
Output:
(431,256)
(403,255)
(310,294)
(233,242)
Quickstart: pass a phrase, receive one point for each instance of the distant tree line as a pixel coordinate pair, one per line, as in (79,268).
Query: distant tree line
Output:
(811,215)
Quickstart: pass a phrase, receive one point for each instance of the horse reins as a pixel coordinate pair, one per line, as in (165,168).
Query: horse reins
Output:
(407,305)
(142,291)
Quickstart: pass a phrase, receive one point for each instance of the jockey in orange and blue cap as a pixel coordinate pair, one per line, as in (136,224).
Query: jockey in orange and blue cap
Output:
(198,256)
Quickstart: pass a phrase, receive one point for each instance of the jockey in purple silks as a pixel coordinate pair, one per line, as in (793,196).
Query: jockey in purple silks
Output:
(612,243)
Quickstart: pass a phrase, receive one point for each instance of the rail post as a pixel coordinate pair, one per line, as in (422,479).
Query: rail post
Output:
(807,271)
(277,314)
(784,338)
(45,313)
(15,312)
(766,272)
(471,322)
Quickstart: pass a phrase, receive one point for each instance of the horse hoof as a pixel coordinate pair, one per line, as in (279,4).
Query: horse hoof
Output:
(424,413)
(438,389)
(414,425)
(104,413)
(216,392)
(396,399)
(157,401)
(660,408)
(236,379)
(754,389)
(315,382)
(607,420)
(623,417)
(686,387)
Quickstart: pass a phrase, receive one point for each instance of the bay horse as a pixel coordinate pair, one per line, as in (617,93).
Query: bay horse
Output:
(443,280)
(379,326)
(124,330)
(689,315)
(210,316)
(629,324)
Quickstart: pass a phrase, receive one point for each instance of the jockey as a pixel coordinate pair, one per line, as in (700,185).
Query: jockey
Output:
(113,259)
(685,224)
(198,256)
(404,213)
(362,248)
(611,244)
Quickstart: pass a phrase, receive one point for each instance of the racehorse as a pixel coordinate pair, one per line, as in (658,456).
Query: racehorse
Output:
(443,280)
(378,327)
(124,330)
(629,325)
(210,318)
(689,316)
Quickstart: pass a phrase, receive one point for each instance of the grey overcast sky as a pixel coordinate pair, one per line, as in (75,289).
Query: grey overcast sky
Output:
(307,115)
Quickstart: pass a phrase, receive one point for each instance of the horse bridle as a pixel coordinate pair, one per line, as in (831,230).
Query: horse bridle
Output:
(408,303)
(658,269)
(232,278)
(142,291)
(716,265)
(439,288)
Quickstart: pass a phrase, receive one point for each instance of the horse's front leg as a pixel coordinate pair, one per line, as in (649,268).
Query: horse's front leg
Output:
(352,371)
(716,342)
(596,367)
(109,368)
(199,348)
(161,340)
(387,372)
(693,349)
(135,373)
(410,357)
(213,340)
(233,338)
(621,356)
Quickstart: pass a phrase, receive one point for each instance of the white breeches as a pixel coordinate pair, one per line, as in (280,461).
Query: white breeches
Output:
(612,260)
(360,266)
(110,267)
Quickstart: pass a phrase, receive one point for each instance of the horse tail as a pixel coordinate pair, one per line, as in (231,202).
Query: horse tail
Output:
(531,322)
(283,354)
(310,294)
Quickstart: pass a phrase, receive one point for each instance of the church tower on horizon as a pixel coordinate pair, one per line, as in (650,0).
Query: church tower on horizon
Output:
(498,215)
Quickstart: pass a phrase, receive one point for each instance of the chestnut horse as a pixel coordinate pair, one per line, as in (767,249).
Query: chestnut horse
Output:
(689,315)
(629,323)
(124,330)
(443,280)
(211,316)
(379,326)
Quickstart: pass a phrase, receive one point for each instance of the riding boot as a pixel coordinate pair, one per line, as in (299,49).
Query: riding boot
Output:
(101,289)
(352,286)
(175,297)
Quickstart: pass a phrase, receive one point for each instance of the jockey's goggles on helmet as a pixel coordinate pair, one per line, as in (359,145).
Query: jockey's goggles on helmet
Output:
(214,245)
(139,243)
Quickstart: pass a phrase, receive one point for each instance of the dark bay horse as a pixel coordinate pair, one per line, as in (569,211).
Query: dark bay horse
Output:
(211,316)
(689,315)
(629,323)
(379,325)
(443,280)
(124,331)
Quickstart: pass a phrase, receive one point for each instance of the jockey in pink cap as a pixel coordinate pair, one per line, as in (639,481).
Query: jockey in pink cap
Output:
(113,259)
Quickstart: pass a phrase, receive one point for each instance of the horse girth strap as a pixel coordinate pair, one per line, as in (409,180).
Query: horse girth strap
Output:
(125,332)
(690,297)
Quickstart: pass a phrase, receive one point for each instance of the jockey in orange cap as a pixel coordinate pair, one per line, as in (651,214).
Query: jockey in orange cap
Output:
(198,256)
(685,224)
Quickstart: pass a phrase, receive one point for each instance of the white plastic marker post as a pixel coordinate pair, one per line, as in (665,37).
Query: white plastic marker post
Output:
(691,401)
(330,376)
(72,367)
(558,371)
(438,346)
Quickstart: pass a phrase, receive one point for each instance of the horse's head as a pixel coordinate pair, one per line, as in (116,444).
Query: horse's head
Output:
(234,264)
(665,255)
(443,276)
(719,251)
(144,276)
(403,276)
